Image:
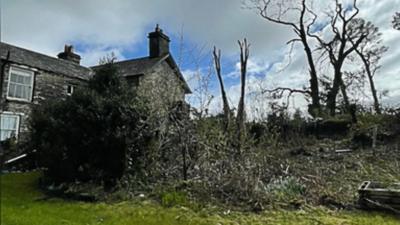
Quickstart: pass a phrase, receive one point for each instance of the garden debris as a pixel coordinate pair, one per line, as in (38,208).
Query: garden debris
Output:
(343,150)
(299,151)
(16,158)
(258,207)
(68,191)
(330,202)
(374,195)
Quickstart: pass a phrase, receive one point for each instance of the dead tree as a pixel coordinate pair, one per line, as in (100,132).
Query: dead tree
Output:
(201,95)
(227,111)
(240,118)
(275,12)
(339,48)
(201,92)
(370,52)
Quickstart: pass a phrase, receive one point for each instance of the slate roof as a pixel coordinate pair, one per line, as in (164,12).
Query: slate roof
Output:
(142,66)
(134,67)
(43,62)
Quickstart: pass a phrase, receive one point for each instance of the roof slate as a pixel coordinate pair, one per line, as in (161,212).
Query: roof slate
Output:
(43,62)
(142,66)
(134,67)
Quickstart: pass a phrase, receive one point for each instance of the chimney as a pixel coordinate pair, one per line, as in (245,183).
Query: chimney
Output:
(69,54)
(158,43)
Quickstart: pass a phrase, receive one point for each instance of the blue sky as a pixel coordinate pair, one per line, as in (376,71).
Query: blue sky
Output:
(98,27)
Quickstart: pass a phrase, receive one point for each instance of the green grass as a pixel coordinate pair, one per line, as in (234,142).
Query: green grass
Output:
(23,204)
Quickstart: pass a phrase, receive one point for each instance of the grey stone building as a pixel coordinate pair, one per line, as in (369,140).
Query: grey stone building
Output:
(28,78)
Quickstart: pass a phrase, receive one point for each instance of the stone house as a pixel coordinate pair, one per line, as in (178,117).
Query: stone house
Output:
(28,78)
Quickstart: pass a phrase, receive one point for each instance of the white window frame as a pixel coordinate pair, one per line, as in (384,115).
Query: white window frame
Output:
(16,115)
(13,69)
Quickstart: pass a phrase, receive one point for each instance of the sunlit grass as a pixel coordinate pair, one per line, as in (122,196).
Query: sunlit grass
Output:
(23,204)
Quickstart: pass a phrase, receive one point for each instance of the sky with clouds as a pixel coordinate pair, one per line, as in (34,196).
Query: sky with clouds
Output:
(98,27)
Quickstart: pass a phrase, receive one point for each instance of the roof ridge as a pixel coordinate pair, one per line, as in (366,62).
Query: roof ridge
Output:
(42,54)
(134,59)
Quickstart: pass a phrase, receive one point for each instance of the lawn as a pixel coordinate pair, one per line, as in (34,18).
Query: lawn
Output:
(23,204)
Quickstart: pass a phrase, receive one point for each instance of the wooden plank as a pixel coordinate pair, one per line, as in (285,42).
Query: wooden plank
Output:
(380,193)
(375,195)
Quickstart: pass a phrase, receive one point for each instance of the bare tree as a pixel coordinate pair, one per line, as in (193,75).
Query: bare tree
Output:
(244,56)
(275,12)
(396,21)
(370,52)
(299,15)
(227,111)
(199,79)
(201,93)
(343,43)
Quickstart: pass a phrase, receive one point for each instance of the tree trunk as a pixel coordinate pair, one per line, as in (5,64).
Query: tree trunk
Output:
(345,96)
(371,83)
(374,94)
(240,119)
(331,99)
(314,89)
(367,64)
(227,111)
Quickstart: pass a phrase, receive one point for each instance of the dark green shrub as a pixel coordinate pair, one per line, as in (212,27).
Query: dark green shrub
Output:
(91,134)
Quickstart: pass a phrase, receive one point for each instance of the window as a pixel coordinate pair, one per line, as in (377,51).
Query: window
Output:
(133,81)
(70,89)
(20,84)
(9,126)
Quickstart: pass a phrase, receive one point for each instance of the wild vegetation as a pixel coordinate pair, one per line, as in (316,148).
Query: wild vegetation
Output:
(23,203)
(285,162)
(104,143)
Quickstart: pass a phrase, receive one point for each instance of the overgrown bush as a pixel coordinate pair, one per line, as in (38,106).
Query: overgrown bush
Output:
(93,134)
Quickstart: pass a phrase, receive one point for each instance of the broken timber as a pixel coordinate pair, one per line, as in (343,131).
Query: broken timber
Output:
(373,195)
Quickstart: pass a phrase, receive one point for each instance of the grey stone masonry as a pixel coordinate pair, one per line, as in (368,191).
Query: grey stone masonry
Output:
(37,78)
(47,85)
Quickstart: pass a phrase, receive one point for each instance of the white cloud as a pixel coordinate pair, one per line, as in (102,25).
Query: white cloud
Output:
(47,25)
(121,26)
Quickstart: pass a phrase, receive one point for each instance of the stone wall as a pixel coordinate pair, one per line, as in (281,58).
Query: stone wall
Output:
(162,88)
(47,85)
